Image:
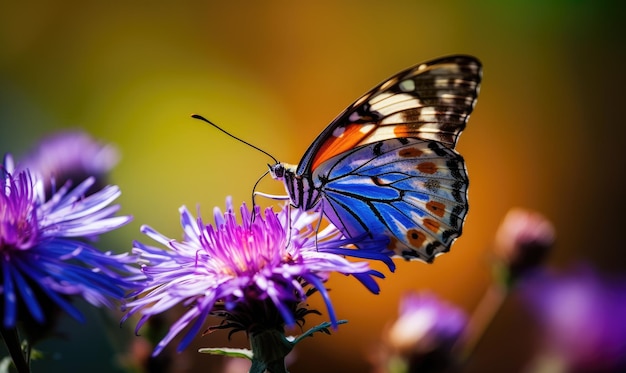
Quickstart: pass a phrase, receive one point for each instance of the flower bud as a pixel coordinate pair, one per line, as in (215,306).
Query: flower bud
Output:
(422,337)
(523,240)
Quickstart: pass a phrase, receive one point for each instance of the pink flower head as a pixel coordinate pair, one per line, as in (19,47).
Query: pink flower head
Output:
(523,240)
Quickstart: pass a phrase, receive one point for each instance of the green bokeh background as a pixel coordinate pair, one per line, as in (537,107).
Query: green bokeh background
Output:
(547,133)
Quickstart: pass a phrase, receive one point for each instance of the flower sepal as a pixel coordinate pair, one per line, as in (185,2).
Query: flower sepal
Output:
(243,353)
(322,328)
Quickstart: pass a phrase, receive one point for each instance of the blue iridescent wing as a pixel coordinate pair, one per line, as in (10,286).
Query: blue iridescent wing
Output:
(412,190)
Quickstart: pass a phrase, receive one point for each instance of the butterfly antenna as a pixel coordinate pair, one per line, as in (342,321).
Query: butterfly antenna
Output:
(196,116)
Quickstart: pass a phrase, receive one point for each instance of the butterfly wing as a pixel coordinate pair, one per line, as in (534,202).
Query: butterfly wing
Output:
(412,190)
(387,164)
(430,101)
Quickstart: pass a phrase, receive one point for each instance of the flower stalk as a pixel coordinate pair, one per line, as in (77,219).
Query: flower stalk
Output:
(19,351)
(521,244)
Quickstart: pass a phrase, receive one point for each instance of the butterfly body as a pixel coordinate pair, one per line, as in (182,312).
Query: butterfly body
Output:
(387,164)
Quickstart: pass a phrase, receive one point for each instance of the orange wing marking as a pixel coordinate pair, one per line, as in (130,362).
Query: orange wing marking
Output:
(415,237)
(436,208)
(431,224)
(351,135)
(401,130)
(410,153)
(427,167)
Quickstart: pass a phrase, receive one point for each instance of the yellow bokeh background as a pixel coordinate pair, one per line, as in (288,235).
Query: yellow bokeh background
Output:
(547,132)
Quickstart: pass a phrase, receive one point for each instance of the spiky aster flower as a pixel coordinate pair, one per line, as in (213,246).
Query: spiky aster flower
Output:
(254,274)
(42,254)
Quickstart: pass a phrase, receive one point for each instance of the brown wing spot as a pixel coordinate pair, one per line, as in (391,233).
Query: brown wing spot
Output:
(431,224)
(378,181)
(427,167)
(415,237)
(436,208)
(393,243)
(410,153)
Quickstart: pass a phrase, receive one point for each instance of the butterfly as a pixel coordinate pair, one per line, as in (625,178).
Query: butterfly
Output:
(387,164)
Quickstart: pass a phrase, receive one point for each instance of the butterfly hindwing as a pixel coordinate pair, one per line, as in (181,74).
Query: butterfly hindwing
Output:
(414,191)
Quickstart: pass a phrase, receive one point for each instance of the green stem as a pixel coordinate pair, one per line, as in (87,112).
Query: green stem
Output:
(269,349)
(12,341)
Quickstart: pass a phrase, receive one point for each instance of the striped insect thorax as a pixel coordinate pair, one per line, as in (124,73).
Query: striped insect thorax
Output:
(302,193)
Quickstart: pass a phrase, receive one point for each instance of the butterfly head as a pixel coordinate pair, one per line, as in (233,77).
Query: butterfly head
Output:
(279,170)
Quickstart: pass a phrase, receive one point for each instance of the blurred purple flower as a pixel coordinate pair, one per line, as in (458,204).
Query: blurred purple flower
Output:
(253,274)
(522,241)
(422,337)
(582,316)
(70,155)
(43,257)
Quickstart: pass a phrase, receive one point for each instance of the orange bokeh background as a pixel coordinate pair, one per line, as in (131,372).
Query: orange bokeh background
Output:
(547,132)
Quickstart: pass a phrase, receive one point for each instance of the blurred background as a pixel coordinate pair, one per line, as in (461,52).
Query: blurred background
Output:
(547,132)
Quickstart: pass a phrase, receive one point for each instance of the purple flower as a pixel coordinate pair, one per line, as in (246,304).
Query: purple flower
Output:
(422,337)
(254,274)
(42,255)
(70,155)
(426,323)
(582,318)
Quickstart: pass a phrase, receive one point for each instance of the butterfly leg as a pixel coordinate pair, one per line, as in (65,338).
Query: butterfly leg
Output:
(288,225)
(254,193)
(319,223)
(276,197)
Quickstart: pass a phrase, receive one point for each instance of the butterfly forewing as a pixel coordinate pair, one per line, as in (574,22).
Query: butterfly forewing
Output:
(430,101)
